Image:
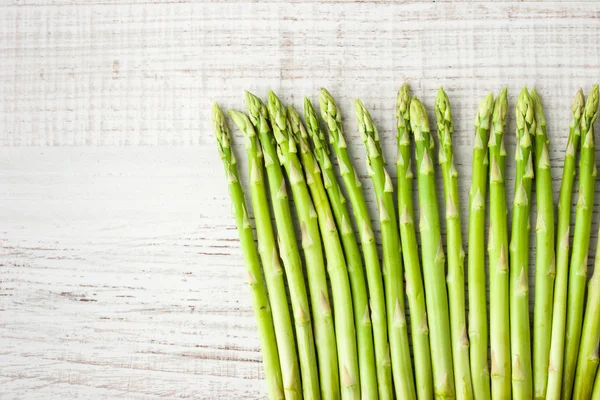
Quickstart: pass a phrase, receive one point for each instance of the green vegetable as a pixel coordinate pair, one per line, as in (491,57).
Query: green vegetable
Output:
(559,310)
(587,363)
(311,243)
(519,251)
(432,254)
(596,391)
(581,241)
(414,280)
(498,257)
(545,268)
(456,255)
(327,182)
(336,265)
(478,326)
(270,260)
(331,114)
(260,301)
(392,261)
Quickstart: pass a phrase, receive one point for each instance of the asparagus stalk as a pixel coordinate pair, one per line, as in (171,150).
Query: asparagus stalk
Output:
(327,182)
(581,241)
(432,254)
(478,326)
(545,267)
(519,251)
(311,243)
(498,260)
(336,265)
(414,280)
(392,261)
(587,363)
(331,114)
(269,256)
(456,256)
(596,391)
(559,310)
(260,301)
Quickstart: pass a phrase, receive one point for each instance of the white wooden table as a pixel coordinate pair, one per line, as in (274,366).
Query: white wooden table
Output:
(120,270)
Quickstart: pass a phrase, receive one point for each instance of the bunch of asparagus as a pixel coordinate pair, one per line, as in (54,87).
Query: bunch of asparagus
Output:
(350,338)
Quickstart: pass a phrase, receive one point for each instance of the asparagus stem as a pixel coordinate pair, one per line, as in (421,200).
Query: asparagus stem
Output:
(559,310)
(587,363)
(519,251)
(478,326)
(260,301)
(331,114)
(327,182)
(581,241)
(414,280)
(498,260)
(545,267)
(311,243)
(392,261)
(596,390)
(432,254)
(455,278)
(269,256)
(336,265)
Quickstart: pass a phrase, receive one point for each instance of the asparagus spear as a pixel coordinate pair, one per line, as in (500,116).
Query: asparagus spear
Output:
(326,181)
(587,363)
(498,260)
(392,261)
(414,280)
(545,268)
(478,327)
(555,365)
(270,260)
(596,391)
(331,114)
(456,255)
(519,251)
(260,301)
(315,266)
(336,265)
(432,254)
(581,241)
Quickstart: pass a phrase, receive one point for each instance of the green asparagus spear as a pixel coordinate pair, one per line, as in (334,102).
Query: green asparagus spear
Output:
(311,243)
(478,326)
(432,254)
(498,257)
(559,309)
(414,280)
(336,264)
(260,301)
(331,114)
(455,278)
(545,268)
(519,251)
(581,241)
(392,261)
(596,391)
(326,181)
(587,363)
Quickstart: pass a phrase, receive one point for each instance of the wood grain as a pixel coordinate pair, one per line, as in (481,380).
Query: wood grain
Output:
(120,269)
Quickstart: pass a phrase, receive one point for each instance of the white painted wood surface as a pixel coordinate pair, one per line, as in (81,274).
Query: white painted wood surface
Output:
(120,270)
